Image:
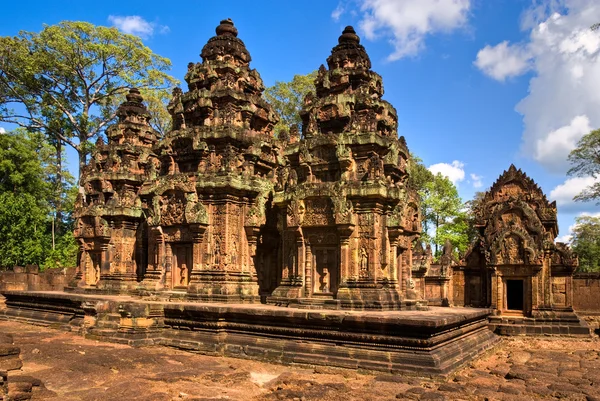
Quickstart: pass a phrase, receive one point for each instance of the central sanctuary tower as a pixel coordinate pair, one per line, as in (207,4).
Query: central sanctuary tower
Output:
(347,217)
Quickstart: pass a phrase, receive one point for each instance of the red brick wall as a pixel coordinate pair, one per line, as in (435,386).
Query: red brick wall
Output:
(586,292)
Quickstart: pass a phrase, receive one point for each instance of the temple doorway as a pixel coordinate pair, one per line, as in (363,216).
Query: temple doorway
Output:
(182,265)
(514,295)
(326,271)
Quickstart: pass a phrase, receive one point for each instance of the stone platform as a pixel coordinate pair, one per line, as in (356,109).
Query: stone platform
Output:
(432,342)
(551,322)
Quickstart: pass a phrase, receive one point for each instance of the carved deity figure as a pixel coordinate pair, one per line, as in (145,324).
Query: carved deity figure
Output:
(291,262)
(510,251)
(374,167)
(324,281)
(363,263)
(234,251)
(217,253)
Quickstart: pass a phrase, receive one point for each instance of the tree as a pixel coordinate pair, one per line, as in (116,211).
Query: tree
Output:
(63,80)
(22,230)
(585,159)
(30,196)
(586,243)
(443,213)
(418,178)
(287,99)
(21,171)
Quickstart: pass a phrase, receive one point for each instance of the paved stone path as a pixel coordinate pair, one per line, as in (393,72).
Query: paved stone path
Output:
(73,368)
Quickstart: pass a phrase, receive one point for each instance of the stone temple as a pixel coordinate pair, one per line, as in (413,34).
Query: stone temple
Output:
(303,248)
(221,210)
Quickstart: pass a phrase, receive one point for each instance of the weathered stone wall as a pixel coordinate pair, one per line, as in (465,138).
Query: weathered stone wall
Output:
(29,278)
(586,292)
(458,287)
(12,388)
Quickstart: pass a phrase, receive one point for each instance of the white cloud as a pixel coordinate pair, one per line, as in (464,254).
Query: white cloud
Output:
(2,130)
(565,192)
(553,149)
(563,100)
(503,61)
(136,25)
(408,22)
(476,180)
(454,171)
(337,13)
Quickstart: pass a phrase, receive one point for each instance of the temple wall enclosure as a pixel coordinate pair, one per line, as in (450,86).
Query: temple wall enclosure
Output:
(586,292)
(30,278)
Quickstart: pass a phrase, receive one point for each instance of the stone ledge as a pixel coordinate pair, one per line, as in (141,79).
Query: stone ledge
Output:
(432,342)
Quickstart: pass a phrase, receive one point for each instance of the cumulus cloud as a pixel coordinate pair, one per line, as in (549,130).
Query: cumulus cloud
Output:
(476,180)
(454,171)
(406,23)
(564,55)
(2,130)
(503,61)
(564,193)
(136,25)
(553,149)
(337,13)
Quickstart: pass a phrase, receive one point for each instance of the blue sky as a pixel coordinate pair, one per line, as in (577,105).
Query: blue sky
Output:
(478,84)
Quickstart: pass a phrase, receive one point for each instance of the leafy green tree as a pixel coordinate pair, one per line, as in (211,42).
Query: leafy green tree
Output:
(585,161)
(418,178)
(63,80)
(586,242)
(30,195)
(23,223)
(23,206)
(287,98)
(443,215)
(21,171)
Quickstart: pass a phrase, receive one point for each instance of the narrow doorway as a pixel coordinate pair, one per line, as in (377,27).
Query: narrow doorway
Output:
(514,295)
(326,264)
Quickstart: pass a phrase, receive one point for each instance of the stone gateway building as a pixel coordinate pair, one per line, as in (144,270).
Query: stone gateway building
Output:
(221,210)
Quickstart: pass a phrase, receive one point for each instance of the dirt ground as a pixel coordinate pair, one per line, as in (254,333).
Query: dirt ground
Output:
(73,368)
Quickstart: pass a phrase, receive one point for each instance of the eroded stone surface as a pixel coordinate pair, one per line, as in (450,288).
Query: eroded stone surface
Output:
(74,368)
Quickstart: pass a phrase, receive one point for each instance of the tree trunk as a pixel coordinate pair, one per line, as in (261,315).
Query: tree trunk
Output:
(82,163)
(60,188)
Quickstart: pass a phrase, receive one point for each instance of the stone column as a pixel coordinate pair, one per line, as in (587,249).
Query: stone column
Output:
(168,265)
(496,290)
(308,272)
(345,232)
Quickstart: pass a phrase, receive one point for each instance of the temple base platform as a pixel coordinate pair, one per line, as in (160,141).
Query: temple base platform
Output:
(550,322)
(424,343)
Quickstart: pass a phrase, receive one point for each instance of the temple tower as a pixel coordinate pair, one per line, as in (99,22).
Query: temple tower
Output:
(347,218)
(208,208)
(110,226)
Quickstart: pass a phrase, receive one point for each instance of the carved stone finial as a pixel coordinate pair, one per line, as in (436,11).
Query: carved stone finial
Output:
(226,28)
(349,36)
(134,95)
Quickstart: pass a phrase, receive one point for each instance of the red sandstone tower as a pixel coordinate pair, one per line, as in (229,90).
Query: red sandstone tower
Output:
(348,219)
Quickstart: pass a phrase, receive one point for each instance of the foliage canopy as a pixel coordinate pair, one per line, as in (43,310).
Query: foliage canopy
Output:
(287,99)
(585,161)
(586,243)
(64,80)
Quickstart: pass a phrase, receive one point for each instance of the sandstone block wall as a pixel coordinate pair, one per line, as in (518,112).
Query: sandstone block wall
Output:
(586,292)
(29,278)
